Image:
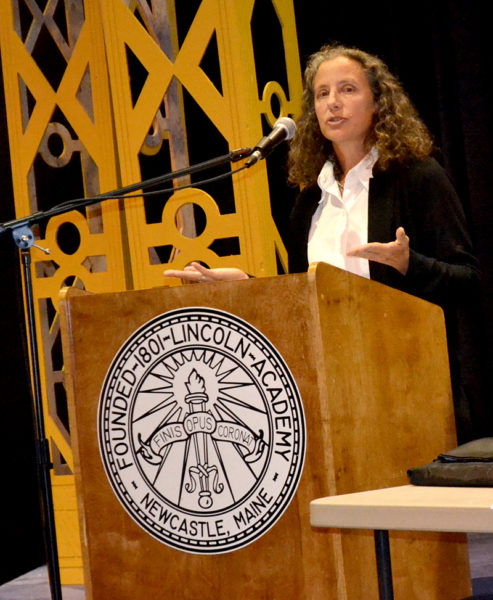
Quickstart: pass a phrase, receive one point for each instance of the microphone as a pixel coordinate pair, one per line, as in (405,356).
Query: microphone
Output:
(284,129)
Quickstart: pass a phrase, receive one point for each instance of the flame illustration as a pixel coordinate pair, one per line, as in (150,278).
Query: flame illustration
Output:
(195,383)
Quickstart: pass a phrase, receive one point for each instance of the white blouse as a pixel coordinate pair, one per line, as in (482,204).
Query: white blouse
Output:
(340,223)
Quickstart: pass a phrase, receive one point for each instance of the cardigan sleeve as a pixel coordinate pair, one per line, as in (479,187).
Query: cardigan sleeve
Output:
(442,266)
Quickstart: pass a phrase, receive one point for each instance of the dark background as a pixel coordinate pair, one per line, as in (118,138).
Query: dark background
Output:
(442,54)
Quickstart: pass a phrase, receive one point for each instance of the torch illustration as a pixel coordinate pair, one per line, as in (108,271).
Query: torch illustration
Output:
(200,424)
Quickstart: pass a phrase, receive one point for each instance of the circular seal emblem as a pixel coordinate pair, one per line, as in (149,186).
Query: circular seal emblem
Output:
(201,430)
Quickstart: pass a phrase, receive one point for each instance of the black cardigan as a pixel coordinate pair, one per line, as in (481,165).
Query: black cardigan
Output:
(442,267)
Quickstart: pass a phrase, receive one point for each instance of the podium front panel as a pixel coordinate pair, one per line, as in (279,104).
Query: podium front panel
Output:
(370,413)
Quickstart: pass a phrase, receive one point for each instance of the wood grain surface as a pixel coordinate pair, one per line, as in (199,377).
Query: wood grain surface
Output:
(371,365)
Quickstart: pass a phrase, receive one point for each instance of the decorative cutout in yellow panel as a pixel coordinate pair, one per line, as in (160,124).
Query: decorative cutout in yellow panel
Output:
(61,144)
(235,111)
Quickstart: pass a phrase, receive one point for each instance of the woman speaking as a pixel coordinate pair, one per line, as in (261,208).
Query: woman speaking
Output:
(374,202)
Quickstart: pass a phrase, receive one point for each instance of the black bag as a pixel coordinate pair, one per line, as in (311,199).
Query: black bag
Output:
(468,465)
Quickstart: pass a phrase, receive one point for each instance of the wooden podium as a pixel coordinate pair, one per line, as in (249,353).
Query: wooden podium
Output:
(371,366)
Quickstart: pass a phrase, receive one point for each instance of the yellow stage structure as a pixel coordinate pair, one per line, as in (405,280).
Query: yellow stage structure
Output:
(98,94)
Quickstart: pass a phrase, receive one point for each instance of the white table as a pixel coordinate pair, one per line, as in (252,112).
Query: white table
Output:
(409,507)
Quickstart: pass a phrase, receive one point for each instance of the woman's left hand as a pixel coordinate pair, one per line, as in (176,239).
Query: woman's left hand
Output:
(394,254)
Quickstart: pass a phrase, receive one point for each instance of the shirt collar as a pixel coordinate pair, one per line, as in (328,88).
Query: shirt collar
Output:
(361,172)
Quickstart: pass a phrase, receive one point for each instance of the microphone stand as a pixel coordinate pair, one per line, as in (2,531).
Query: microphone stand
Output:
(233,156)
(22,234)
(23,238)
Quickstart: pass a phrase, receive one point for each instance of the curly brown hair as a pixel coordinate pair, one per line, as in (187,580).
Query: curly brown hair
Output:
(398,133)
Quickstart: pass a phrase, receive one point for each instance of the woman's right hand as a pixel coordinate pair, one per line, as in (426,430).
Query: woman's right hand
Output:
(196,273)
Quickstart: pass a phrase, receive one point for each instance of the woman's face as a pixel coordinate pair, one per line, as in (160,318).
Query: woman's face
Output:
(344,103)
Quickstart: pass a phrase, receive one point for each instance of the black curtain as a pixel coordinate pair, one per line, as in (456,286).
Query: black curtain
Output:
(440,51)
